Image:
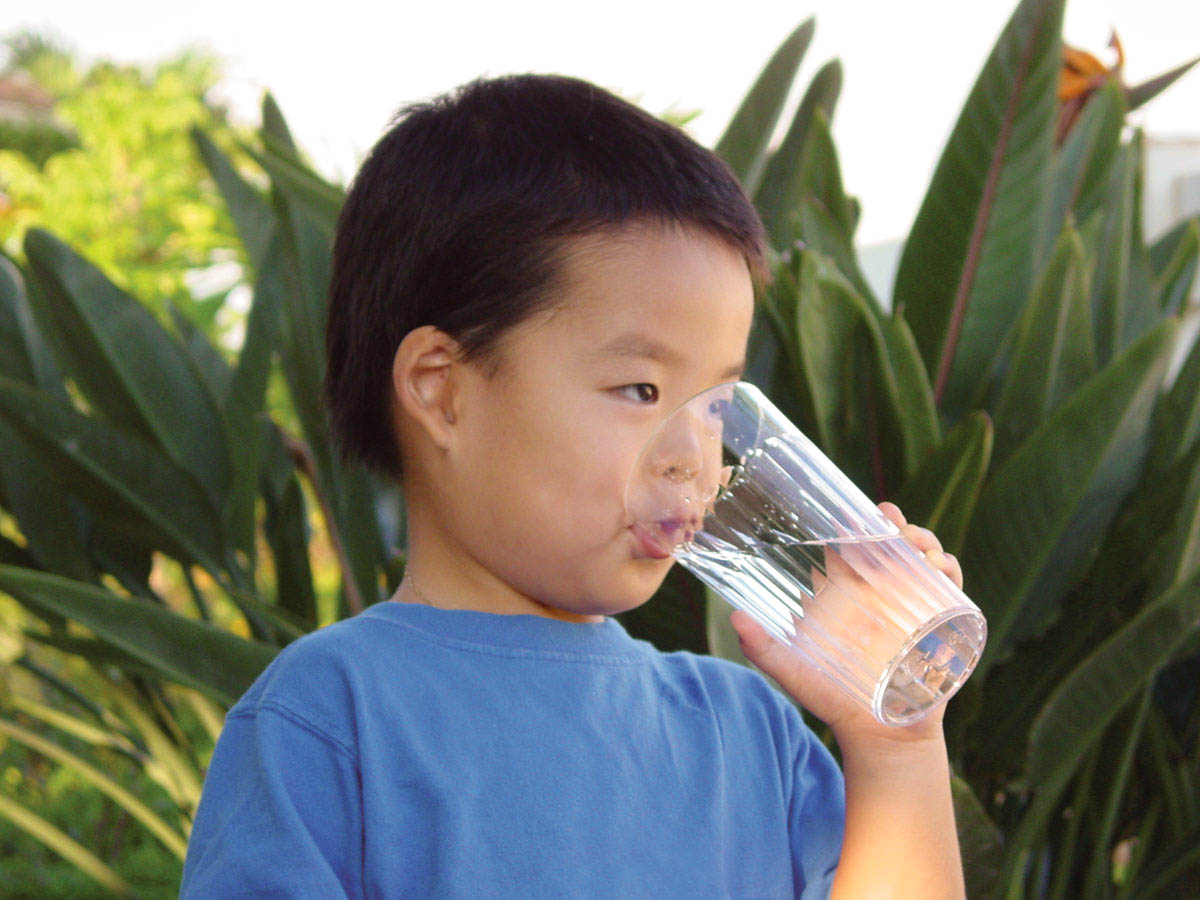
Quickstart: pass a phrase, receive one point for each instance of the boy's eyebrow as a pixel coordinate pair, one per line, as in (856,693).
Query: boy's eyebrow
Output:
(637,345)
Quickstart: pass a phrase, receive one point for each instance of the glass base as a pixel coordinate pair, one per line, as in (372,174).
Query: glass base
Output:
(930,667)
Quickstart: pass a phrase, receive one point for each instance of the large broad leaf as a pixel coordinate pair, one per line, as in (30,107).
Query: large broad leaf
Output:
(275,132)
(243,402)
(24,356)
(871,396)
(825,320)
(788,179)
(1176,425)
(820,212)
(1053,354)
(1162,251)
(1124,303)
(1176,556)
(48,521)
(1015,692)
(1095,691)
(942,493)
(979,839)
(287,531)
(319,199)
(1040,516)
(127,364)
(306,263)
(128,481)
(1082,166)
(744,143)
(251,213)
(922,428)
(966,267)
(193,653)
(210,364)
(1173,283)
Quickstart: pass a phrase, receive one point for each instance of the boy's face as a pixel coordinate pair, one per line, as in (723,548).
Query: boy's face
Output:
(546,449)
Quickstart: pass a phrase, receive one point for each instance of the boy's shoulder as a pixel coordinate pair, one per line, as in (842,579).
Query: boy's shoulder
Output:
(319,673)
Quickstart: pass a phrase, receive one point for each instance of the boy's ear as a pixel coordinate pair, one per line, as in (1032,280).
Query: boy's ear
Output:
(424,381)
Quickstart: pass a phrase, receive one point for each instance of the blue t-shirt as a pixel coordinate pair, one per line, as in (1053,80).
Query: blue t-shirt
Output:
(417,752)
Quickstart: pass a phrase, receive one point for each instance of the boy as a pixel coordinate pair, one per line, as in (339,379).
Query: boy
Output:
(529,274)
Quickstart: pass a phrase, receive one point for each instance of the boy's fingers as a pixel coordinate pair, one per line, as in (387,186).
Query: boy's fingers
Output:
(892,511)
(766,652)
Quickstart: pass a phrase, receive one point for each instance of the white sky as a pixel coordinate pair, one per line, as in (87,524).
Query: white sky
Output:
(339,73)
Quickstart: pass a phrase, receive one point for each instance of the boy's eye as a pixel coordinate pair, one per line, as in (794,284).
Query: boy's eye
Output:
(647,393)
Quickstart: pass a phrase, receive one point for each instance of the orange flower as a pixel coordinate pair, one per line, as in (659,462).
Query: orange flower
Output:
(1081,75)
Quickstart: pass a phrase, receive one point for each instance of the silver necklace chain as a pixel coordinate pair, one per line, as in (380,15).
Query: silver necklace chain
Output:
(412,581)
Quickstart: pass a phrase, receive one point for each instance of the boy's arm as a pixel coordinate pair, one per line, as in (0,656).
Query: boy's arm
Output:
(900,839)
(900,836)
(279,814)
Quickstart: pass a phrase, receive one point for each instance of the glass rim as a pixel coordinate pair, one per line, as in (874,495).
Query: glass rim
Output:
(660,426)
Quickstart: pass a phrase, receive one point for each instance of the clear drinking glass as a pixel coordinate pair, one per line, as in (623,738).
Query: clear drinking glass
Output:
(742,499)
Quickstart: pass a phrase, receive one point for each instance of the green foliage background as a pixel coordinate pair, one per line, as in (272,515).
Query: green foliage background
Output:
(172,511)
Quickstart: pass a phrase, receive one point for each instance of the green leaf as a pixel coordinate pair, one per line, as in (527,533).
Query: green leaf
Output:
(819,232)
(1016,691)
(171,839)
(24,356)
(192,653)
(70,850)
(244,400)
(1140,94)
(49,522)
(251,213)
(129,482)
(347,490)
(1044,509)
(895,391)
(1083,166)
(967,264)
(1174,282)
(100,654)
(1084,703)
(1123,299)
(922,426)
(208,361)
(1053,355)
(319,199)
(1176,556)
(744,143)
(275,132)
(789,177)
(95,735)
(127,364)
(979,840)
(942,493)
(1163,250)
(287,531)
(1176,424)
(825,319)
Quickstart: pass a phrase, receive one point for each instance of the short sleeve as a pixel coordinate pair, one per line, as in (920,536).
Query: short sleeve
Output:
(280,813)
(817,813)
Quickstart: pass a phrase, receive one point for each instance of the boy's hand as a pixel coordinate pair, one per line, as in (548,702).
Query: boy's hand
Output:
(815,691)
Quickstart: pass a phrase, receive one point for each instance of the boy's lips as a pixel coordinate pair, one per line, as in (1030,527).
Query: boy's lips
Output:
(651,547)
(656,537)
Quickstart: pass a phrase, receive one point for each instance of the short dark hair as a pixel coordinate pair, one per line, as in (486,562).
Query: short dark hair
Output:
(457,216)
